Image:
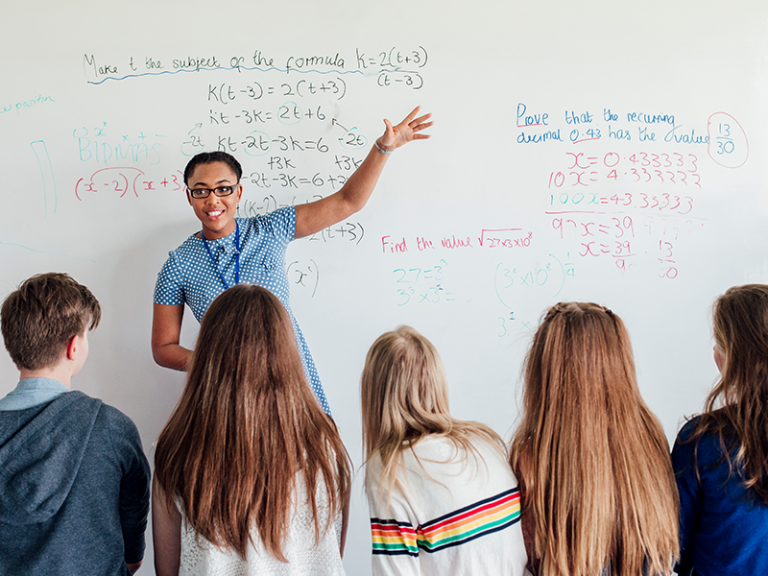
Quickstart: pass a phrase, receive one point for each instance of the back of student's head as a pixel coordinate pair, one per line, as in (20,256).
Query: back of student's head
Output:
(40,318)
(741,333)
(246,425)
(404,394)
(592,460)
(736,408)
(404,391)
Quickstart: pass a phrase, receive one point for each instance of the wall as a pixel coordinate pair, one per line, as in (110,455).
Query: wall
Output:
(581,151)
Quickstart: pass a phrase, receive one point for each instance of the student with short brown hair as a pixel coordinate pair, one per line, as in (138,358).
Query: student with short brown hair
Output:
(74,481)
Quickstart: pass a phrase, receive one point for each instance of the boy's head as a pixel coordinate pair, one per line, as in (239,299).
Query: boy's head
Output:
(41,317)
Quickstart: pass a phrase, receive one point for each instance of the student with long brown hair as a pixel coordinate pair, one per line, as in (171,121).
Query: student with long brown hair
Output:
(598,491)
(442,497)
(251,476)
(721,456)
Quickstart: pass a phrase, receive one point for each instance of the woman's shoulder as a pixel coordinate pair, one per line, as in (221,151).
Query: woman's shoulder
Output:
(284,213)
(191,245)
(279,224)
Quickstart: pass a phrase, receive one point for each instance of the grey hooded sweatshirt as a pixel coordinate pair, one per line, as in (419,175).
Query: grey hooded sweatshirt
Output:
(74,489)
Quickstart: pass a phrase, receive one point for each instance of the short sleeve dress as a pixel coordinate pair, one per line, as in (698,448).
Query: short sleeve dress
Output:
(190,277)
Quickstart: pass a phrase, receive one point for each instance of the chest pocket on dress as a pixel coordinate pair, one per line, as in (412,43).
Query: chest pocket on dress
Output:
(267,271)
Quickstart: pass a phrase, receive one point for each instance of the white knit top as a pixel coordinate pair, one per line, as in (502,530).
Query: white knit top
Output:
(201,558)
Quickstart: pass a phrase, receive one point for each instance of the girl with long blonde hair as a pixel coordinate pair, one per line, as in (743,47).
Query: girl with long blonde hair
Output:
(593,462)
(251,476)
(721,456)
(442,497)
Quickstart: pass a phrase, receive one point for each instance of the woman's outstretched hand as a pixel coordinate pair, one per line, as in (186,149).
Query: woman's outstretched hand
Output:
(409,129)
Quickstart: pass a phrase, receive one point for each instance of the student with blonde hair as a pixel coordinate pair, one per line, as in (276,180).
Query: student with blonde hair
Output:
(721,456)
(598,491)
(251,476)
(442,497)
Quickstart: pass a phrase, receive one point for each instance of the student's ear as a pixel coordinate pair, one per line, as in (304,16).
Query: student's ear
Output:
(72,347)
(719,358)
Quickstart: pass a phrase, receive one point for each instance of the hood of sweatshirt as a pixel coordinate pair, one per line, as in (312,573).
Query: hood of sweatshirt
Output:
(41,454)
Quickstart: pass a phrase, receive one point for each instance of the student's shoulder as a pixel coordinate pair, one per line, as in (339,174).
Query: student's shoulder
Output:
(106,412)
(79,401)
(108,417)
(704,447)
(686,431)
(117,420)
(704,429)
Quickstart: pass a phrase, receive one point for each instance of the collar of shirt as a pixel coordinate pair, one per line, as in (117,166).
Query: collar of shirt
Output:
(225,244)
(32,392)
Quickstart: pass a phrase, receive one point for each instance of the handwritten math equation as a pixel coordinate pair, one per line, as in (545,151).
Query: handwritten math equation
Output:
(227,93)
(391,67)
(132,182)
(585,170)
(260,143)
(488,238)
(120,181)
(629,186)
(723,137)
(616,236)
(423,286)
(515,280)
(594,201)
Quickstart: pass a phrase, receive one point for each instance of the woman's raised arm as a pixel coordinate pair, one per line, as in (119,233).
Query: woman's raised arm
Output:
(315,216)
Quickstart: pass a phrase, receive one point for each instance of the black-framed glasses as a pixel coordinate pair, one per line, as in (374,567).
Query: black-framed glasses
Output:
(221,191)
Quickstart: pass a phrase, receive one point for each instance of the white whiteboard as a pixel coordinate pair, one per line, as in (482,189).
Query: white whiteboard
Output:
(94,136)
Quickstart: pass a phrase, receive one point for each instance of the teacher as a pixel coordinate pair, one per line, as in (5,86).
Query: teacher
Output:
(230,251)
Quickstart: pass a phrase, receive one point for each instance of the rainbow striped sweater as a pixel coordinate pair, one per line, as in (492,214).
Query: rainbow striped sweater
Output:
(451,514)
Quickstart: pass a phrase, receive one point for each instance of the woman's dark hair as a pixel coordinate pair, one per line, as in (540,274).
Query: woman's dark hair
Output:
(210,158)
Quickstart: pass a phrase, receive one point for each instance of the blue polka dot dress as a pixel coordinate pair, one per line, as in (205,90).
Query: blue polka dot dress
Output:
(189,276)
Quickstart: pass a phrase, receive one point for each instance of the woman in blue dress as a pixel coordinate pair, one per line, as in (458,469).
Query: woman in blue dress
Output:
(229,251)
